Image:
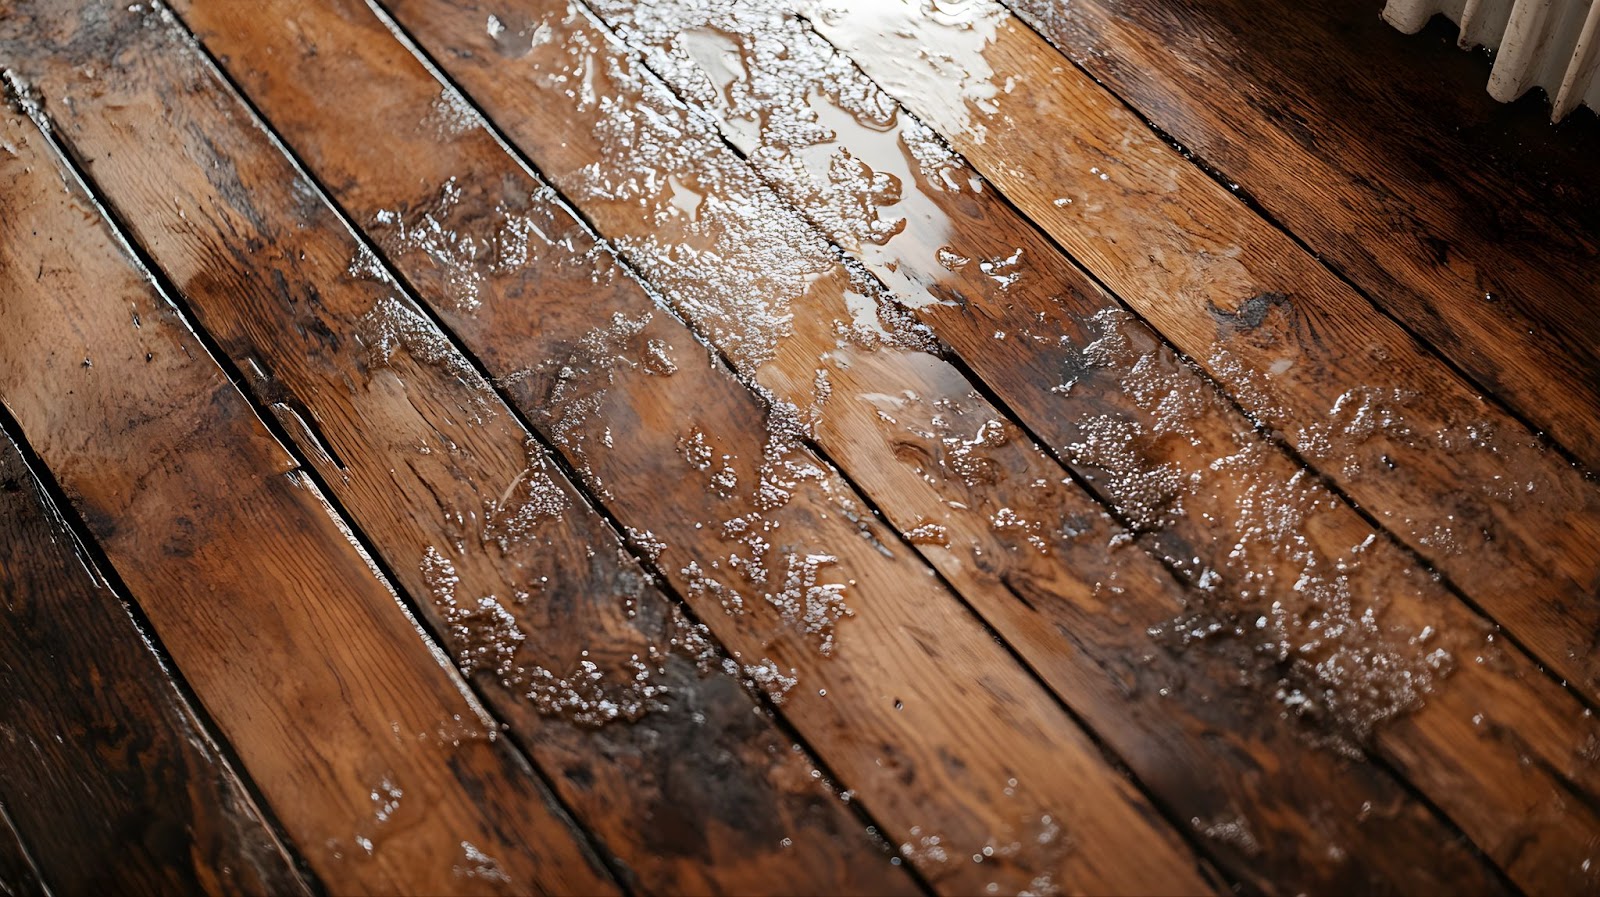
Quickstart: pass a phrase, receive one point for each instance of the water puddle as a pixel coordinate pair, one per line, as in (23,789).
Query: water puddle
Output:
(818,133)
(946,37)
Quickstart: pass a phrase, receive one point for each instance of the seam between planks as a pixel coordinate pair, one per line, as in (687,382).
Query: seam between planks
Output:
(1244,195)
(562,463)
(5,818)
(587,841)
(94,557)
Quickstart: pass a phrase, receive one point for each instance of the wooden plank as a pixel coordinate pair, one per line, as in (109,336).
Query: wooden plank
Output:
(576,650)
(1473,222)
(1511,524)
(18,877)
(107,772)
(1352,669)
(354,727)
(257,53)
(671,412)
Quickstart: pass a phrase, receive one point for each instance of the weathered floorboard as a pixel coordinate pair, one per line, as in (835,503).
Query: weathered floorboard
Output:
(1476,223)
(1355,645)
(355,729)
(1456,478)
(670,766)
(1167,740)
(107,772)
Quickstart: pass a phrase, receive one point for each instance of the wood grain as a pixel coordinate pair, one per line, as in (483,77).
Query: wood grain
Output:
(1459,481)
(433,466)
(1472,221)
(247,577)
(107,772)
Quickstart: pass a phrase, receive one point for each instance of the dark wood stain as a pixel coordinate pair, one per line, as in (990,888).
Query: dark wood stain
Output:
(107,772)
(1252,312)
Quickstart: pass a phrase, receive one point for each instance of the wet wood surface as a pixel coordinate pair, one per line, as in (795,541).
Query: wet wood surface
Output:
(850,692)
(458,498)
(1466,486)
(246,576)
(108,774)
(1473,222)
(842,447)
(1204,526)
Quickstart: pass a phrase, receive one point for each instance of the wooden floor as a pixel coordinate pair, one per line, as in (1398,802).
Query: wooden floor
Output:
(791,446)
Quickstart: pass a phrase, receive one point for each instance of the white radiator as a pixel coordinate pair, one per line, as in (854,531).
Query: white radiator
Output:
(1554,44)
